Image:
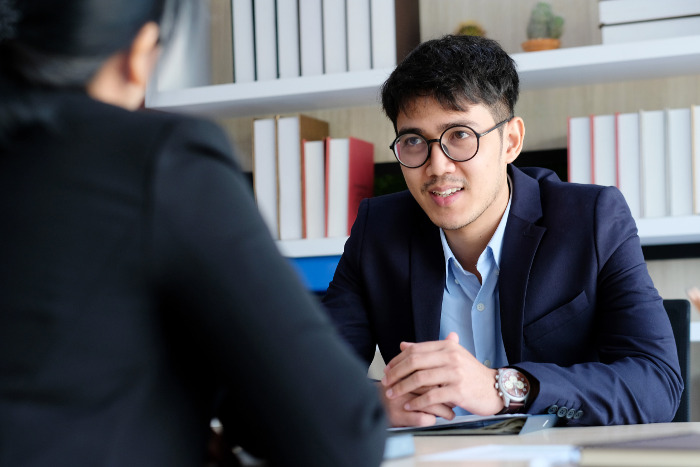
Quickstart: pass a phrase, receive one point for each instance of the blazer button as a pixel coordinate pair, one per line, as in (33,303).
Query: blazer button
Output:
(570,414)
(578,415)
(562,412)
(553,409)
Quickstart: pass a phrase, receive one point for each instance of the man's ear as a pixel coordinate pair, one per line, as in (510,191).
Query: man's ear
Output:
(514,137)
(142,55)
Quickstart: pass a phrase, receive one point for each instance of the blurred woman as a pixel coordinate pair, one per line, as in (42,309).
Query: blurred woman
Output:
(139,286)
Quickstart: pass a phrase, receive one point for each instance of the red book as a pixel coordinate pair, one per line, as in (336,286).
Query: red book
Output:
(349,179)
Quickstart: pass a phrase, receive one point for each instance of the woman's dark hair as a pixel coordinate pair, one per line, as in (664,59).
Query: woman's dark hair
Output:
(455,71)
(61,44)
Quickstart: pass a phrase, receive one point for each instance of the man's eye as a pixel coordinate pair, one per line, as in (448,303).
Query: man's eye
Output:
(412,141)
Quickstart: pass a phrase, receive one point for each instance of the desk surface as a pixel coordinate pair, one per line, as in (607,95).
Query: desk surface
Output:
(426,445)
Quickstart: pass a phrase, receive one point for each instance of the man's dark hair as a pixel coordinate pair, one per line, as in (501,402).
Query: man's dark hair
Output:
(457,71)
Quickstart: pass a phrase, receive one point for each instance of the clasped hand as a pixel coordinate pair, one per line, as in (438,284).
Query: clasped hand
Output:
(428,379)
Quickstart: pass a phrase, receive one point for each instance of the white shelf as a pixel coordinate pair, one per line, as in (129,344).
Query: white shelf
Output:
(316,247)
(538,70)
(655,231)
(669,230)
(274,96)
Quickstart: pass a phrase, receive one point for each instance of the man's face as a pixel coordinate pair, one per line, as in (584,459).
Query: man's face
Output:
(457,195)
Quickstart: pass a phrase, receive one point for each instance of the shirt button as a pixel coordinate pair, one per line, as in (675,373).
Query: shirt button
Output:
(480,307)
(487,363)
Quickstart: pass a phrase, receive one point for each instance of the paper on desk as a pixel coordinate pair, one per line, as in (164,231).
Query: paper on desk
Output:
(545,453)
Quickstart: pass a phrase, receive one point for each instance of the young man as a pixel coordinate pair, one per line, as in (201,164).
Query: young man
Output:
(494,289)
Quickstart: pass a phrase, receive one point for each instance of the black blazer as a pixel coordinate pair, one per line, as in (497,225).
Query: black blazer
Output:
(579,312)
(137,285)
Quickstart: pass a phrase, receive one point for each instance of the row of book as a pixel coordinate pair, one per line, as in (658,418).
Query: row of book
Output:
(652,156)
(274,39)
(306,184)
(638,20)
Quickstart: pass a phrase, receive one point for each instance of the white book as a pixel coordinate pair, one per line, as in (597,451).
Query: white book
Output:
(646,30)
(265,171)
(626,11)
(311,37)
(288,38)
(314,182)
(579,150)
(335,57)
(243,41)
(265,40)
(679,177)
(383,28)
(652,145)
(695,147)
(603,141)
(291,131)
(628,163)
(359,35)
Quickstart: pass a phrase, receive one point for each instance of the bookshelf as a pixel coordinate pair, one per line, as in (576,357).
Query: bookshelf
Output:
(559,68)
(571,66)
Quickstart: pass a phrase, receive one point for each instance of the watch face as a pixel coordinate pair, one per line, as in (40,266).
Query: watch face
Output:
(514,384)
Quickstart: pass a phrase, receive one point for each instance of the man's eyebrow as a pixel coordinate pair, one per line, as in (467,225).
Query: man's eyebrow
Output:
(440,128)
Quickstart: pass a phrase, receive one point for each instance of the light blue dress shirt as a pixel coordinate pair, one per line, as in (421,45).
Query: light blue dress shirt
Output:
(472,309)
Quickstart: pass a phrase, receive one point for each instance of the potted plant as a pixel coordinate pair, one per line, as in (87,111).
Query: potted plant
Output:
(544,29)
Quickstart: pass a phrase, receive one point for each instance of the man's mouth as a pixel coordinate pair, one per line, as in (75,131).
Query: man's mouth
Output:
(446,193)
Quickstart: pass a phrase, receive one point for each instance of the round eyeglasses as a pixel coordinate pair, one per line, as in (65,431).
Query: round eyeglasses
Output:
(460,143)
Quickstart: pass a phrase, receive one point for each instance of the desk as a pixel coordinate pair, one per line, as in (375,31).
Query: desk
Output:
(578,435)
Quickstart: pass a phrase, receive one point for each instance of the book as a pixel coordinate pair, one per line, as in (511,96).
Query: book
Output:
(265,30)
(682,449)
(313,161)
(265,171)
(288,39)
(603,150)
(291,132)
(679,166)
(652,148)
(407,18)
(627,158)
(504,424)
(579,150)
(646,30)
(311,37)
(335,58)
(349,179)
(358,35)
(627,11)
(695,161)
(383,33)
(243,41)
(221,42)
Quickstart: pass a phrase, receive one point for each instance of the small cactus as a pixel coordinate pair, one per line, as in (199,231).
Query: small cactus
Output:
(543,23)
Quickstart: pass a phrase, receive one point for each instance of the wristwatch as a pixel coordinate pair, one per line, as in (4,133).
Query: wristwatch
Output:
(513,387)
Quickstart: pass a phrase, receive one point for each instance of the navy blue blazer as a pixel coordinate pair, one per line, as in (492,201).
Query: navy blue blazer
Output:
(579,312)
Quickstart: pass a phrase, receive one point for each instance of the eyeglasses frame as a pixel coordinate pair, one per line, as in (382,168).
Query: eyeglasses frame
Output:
(430,142)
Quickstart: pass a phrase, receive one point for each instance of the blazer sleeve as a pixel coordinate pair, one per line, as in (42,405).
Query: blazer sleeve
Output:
(636,376)
(298,391)
(344,300)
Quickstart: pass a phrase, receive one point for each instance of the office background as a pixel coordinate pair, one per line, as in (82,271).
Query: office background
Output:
(545,112)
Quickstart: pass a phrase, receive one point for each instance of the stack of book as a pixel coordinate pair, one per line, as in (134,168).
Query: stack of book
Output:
(653,157)
(278,39)
(306,184)
(638,20)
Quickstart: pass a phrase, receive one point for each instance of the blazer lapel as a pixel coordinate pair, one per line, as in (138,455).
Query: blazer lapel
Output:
(520,242)
(427,278)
